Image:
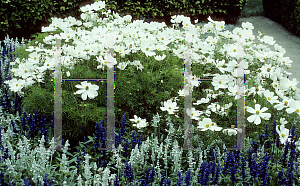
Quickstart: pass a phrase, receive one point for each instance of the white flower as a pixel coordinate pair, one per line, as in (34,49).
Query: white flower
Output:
(236,91)
(15,85)
(294,107)
(229,132)
(247,26)
(206,124)
(141,123)
(270,97)
(220,81)
(169,106)
(68,74)
(257,114)
(283,134)
(282,121)
(193,113)
(87,89)
(98,5)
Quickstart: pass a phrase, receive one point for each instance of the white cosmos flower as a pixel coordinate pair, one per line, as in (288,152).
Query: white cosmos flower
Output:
(236,91)
(140,123)
(15,85)
(220,81)
(87,89)
(257,114)
(294,107)
(270,97)
(229,132)
(207,124)
(193,113)
(283,134)
(169,106)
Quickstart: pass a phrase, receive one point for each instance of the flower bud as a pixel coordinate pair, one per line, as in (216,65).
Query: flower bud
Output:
(161,81)
(294,89)
(122,55)
(254,101)
(68,74)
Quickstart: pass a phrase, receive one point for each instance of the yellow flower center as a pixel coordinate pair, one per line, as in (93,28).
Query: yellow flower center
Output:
(138,121)
(269,98)
(212,124)
(207,126)
(257,112)
(234,50)
(285,102)
(282,135)
(220,82)
(169,107)
(236,93)
(25,71)
(297,110)
(17,84)
(87,87)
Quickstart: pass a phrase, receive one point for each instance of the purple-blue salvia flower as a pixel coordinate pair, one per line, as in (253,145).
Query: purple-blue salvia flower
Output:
(85,140)
(252,165)
(164,181)
(179,179)
(255,147)
(128,173)
(217,173)
(274,133)
(116,182)
(144,182)
(46,182)
(260,138)
(188,178)
(286,149)
(2,182)
(263,169)
(243,168)
(126,146)
(204,171)
(281,180)
(119,137)
(26,182)
(290,171)
(152,175)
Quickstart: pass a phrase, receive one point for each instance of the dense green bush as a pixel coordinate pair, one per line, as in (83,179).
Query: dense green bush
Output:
(285,12)
(16,16)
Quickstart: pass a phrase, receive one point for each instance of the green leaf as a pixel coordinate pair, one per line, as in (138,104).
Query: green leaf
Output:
(63,8)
